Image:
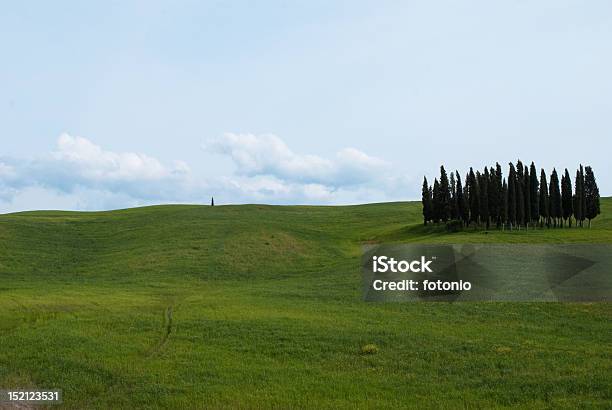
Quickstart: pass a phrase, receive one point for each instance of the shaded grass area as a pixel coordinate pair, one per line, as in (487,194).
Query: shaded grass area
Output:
(260,306)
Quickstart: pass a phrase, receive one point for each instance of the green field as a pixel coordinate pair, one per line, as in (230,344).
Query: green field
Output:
(260,307)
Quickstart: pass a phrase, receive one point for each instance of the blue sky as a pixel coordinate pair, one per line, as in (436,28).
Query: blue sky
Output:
(115,104)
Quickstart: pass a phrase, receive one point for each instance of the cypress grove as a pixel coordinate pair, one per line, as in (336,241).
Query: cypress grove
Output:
(490,199)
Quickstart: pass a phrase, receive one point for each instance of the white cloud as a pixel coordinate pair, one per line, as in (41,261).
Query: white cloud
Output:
(93,162)
(78,163)
(269,155)
(100,177)
(269,171)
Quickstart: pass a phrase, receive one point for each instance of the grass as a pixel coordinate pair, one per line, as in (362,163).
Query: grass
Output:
(260,307)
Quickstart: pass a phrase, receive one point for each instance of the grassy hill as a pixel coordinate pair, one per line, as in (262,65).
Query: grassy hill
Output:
(260,306)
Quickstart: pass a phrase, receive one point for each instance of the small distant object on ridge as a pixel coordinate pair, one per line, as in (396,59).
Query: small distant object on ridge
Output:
(212,201)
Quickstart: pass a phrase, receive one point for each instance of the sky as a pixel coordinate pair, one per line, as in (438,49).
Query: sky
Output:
(114,104)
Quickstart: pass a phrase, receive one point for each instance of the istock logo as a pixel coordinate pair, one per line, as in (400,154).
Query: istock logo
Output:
(384,264)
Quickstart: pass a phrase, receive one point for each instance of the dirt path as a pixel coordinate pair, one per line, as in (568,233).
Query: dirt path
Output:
(167,331)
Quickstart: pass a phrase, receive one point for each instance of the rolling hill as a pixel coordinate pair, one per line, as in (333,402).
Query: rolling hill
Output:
(260,306)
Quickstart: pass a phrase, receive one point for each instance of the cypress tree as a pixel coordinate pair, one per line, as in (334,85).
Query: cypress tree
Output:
(484,197)
(431,207)
(462,212)
(577,199)
(563,220)
(533,194)
(511,196)
(520,204)
(445,206)
(436,202)
(453,196)
(520,194)
(566,198)
(582,195)
(527,193)
(466,197)
(465,187)
(519,170)
(493,196)
(543,198)
(474,197)
(426,200)
(591,192)
(500,194)
(559,203)
(555,210)
(504,207)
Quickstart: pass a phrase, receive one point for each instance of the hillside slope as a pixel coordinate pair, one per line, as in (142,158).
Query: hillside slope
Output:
(260,306)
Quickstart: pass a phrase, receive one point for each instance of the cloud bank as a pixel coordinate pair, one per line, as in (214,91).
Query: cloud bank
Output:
(269,155)
(79,174)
